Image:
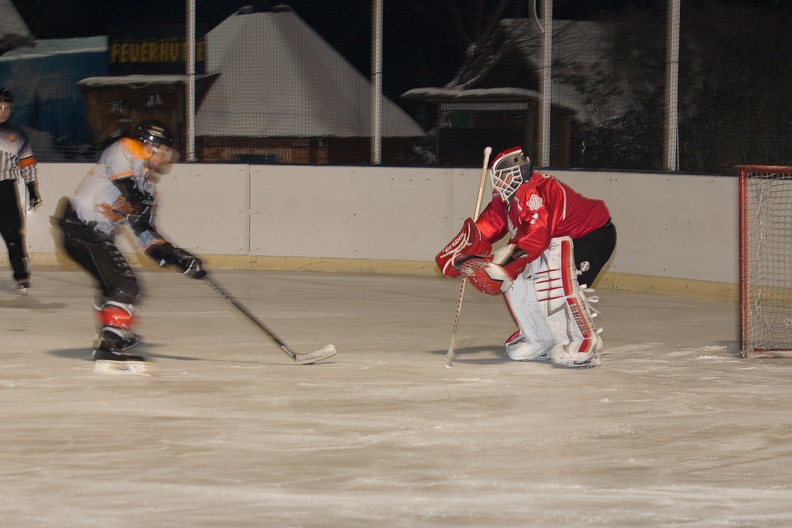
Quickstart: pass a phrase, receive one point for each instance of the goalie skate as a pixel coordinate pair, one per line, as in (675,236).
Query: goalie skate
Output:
(519,348)
(580,353)
(563,358)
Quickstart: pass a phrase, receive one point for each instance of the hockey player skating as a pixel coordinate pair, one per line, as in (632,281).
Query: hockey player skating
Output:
(558,242)
(16,161)
(119,191)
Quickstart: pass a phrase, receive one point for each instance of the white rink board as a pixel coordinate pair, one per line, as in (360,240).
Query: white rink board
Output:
(202,207)
(205,208)
(669,225)
(353,213)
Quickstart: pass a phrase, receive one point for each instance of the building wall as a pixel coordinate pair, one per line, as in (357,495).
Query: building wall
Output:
(312,151)
(677,233)
(44,81)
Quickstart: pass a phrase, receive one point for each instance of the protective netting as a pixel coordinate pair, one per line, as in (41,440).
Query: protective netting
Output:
(293,83)
(766,260)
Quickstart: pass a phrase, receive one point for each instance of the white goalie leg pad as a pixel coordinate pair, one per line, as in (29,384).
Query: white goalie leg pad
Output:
(535,340)
(583,342)
(547,279)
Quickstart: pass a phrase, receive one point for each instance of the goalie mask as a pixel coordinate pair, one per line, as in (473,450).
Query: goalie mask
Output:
(509,170)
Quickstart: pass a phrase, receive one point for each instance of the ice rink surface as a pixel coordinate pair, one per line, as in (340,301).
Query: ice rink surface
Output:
(674,429)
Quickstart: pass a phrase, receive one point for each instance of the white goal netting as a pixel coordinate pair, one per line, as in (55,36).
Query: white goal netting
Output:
(765,261)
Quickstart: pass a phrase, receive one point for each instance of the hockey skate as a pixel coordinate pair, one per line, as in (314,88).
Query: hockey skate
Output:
(572,355)
(110,356)
(23,286)
(519,348)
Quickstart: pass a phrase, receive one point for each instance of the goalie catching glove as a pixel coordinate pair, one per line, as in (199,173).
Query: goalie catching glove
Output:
(466,244)
(190,265)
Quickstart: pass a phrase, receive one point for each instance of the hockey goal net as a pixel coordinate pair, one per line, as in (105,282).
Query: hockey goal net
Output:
(765,260)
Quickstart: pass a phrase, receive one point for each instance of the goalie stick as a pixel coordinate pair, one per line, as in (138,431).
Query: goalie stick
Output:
(450,353)
(302,359)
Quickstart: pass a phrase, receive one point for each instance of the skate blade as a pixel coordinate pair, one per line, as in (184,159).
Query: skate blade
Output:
(106,367)
(593,362)
(323,353)
(544,358)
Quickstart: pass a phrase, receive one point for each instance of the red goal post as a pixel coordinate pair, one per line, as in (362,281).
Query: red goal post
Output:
(765,211)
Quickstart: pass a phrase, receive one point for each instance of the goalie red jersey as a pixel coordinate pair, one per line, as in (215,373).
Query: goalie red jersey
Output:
(541,208)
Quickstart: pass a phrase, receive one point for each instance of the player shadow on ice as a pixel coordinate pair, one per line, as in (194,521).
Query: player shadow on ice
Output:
(480,355)
(144,349)
(27,302)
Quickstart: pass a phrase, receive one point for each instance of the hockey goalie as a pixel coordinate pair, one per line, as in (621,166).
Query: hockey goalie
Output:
(558,242)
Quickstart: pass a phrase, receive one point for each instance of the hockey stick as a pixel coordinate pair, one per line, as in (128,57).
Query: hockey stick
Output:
(302,359)
(450,354)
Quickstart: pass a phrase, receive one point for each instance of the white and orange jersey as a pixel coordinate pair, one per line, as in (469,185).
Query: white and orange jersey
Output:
(99,202)
(16,156)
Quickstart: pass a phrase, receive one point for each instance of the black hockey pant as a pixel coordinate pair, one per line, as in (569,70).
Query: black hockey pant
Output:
(592,252)
(12,230)
(98,254)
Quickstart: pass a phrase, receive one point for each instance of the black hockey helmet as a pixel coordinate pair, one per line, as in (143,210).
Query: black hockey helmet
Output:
(154,132)
(509,170)
(6,96)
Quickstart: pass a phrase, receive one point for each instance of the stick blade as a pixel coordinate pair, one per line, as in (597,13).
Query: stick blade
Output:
(449,358)
(309,358)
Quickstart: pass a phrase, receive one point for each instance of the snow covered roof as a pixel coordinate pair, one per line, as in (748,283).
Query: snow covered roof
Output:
(279,78)
(482,96)
(51,47)
(136,81)
(13,30)
(579,53)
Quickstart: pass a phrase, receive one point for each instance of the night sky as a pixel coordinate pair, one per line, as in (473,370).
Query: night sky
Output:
(56,18)
(424,40)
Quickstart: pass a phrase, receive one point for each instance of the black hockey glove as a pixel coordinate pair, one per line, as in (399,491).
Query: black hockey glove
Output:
(140,220)
(190,265)
(34,198)
(166,253)
(142,202)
